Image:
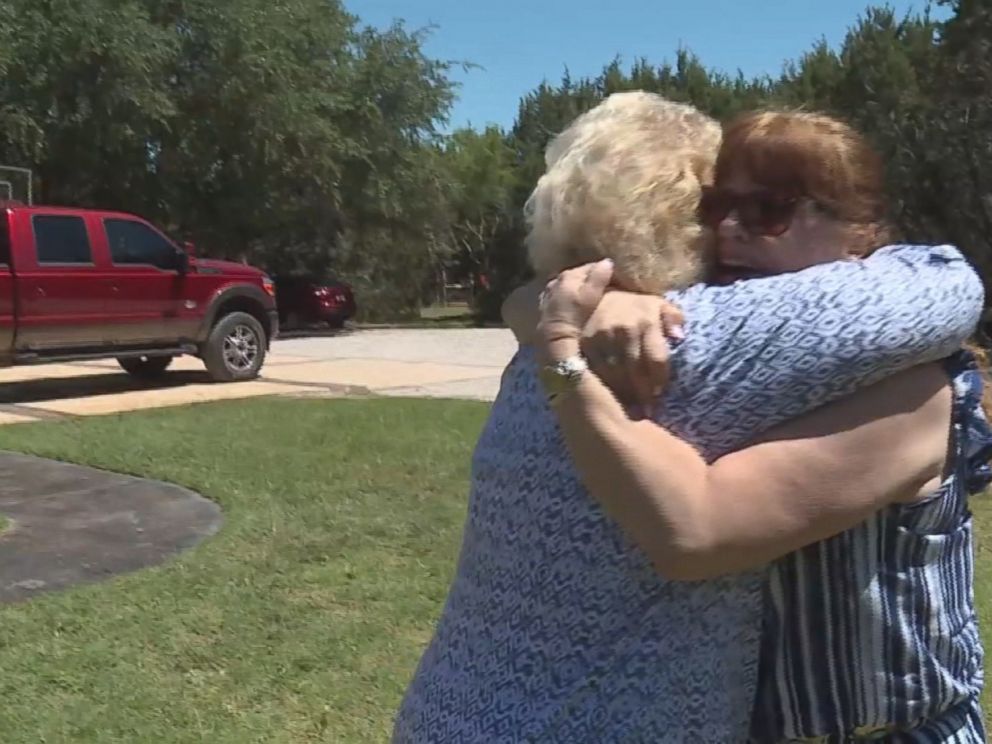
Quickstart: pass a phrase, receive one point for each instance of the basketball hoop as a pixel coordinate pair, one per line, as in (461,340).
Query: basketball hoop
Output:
(16,185)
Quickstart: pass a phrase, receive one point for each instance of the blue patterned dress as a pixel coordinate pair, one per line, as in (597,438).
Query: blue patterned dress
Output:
(557,628)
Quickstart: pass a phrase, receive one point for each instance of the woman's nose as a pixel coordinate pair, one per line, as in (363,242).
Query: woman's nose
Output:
(730,227)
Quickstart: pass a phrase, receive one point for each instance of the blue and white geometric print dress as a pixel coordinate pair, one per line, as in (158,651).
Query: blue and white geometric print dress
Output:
(556,627)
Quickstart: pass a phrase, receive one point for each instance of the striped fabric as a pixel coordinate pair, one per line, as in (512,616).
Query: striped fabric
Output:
(873,634)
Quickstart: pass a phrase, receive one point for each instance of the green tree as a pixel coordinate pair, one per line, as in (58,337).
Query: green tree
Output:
(393,184)
(83,90)
(480,165)
(249,163)
(949,148)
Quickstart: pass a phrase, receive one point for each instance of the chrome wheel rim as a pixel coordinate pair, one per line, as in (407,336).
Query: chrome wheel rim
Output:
(240,349)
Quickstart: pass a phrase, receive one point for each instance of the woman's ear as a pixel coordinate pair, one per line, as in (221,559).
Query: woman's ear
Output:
(860,240)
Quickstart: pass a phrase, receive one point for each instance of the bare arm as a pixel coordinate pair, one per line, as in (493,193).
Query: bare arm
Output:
(806,481)
(521,311)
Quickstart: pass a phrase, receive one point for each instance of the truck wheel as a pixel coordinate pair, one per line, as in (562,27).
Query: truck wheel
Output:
(235,350)
(145,367)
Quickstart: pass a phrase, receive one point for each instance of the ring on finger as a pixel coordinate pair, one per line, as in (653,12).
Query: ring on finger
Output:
(545,295)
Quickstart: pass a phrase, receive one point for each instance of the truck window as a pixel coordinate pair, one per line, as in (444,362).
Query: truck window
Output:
(61,239)
(135,243)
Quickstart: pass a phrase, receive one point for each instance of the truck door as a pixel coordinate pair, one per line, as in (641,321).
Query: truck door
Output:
(8,325)
(62,289)
(146,284)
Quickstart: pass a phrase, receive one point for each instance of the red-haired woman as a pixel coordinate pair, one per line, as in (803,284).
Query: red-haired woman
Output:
(870,630)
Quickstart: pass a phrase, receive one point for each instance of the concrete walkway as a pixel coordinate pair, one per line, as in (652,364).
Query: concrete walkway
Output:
(73,525)
(457,363)
(453,363)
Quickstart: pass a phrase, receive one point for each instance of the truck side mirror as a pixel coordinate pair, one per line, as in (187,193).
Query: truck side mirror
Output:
(190,248)
(182,263)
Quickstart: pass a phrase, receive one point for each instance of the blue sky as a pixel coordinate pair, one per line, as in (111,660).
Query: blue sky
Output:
(518,43)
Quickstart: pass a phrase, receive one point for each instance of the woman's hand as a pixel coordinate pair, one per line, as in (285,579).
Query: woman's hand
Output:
(622,334)
(626,344)
(567,303)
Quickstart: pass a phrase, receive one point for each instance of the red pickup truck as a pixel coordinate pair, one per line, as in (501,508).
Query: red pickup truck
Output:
(84,284)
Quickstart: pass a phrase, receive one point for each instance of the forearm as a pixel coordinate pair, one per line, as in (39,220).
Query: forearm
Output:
(622,463)
(815,477)
(521,311)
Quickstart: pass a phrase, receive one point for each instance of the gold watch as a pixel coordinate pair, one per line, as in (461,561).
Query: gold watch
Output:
(560,377)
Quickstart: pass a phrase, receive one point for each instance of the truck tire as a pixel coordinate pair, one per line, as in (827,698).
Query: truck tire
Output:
(235,349)
(145,367)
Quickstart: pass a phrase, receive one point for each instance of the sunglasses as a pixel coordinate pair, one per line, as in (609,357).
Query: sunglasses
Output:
(758,212)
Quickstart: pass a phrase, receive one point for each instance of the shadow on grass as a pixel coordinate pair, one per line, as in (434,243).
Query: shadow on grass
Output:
(111,383)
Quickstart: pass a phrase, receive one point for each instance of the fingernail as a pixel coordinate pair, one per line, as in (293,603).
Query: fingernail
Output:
(606,262)
(677,332)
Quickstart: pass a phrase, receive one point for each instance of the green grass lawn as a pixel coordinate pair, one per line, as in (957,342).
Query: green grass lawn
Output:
(302,620)
(983,585)
(460,311)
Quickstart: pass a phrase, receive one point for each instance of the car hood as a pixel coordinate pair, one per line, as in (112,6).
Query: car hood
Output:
(228,268)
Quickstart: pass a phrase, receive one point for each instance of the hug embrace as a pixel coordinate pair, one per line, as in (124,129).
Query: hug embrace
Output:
(722,495)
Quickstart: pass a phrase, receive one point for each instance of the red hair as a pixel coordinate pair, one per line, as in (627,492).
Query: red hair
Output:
(812,156)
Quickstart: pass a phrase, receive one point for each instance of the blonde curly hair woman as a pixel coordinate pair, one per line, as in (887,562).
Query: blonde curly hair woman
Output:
(567,620)
(624,182)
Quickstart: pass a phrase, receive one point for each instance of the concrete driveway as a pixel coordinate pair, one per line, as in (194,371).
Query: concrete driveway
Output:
(457,363)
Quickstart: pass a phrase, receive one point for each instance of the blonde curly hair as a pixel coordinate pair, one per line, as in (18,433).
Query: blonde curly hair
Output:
(624,181)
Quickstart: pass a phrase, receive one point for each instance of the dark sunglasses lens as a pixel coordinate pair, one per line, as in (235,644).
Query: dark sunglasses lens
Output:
(713,208)
(759,214)
(766,215)
(776,215)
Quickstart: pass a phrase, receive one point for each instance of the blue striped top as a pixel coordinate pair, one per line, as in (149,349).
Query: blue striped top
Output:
(874,631)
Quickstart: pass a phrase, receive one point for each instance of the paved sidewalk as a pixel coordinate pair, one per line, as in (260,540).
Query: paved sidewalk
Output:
(456,363)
